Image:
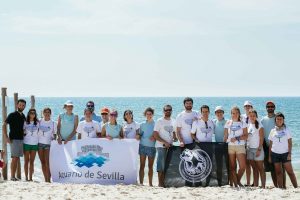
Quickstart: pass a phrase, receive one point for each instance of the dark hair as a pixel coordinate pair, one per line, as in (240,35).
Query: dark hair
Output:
(204,106)
(148,110)
(127,111)
(237,109)
(280,114)
(22,101)
(87,109)
(169,106)
(90,102)
(256,122)
(47,108)
(35,120)
(186,99)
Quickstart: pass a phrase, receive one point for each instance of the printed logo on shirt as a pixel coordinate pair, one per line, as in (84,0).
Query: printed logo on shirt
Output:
(195,165)
(189,121)
(88,129)
(206,130)
(31,128)
(128,130)
(280,135)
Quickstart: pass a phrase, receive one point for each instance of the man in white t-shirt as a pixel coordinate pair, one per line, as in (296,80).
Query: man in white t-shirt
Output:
(164,134)
(184,123)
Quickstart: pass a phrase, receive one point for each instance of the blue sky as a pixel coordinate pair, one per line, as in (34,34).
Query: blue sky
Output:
(150,47)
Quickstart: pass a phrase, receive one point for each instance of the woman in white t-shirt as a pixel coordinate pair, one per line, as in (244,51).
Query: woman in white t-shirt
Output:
(31,128)
(88,128)
(280,150)
(47,133)
(235,134)
(130,127)
(255,152)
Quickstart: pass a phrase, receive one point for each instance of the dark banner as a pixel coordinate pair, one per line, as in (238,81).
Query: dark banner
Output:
(197,165)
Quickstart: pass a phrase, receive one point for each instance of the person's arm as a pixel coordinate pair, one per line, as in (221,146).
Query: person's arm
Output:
(225,135)
(73,133)
(59,138)
(270,147)
(245,134)
(103,132)
(193,132)
(79,136)
(261,141)
(158,138)
(137,135)
(290,143)
(121,135)
(178,134)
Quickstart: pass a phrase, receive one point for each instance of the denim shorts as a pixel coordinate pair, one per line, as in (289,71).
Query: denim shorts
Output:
(147,151)
(44,146)
(251,154)
(161,159)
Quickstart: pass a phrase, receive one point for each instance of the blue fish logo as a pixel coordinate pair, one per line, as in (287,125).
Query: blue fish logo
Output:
(89,160)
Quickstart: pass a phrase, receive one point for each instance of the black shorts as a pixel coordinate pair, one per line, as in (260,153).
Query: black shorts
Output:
(279,158)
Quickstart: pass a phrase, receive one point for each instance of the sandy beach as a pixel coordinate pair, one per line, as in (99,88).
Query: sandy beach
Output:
(36,190)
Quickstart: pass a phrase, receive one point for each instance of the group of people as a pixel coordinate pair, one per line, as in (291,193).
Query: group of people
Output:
(261,145)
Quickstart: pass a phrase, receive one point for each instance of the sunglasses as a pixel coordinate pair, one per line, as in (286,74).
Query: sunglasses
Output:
(104,113)
(270,106)
(90,106)
(168,110)
(32,113)
(113,115)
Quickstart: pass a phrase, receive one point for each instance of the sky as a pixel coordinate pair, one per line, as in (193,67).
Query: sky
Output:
(97,48)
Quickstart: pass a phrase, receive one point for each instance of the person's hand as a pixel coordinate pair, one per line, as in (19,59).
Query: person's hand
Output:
(181,144)
(289,157)
(66,141)
(233,140)
(59,141)
(8,140)
(152,138)
(109,137)
(258,153)
(167,145)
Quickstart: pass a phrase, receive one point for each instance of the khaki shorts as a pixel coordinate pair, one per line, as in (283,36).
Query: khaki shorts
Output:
(236,149)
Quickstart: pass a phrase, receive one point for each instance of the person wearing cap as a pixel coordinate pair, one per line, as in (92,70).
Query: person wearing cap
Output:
(67,124)
(247,107)
(88,128)
(268,123)
(219,124)
(112,129)
(91,106)
(104,115)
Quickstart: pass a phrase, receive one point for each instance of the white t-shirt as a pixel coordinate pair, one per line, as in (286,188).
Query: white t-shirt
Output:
(253,135)
(280,139)
(130,129)
(165,129)
(47,129)
(185,121)
(88,129)
(31,133)
(235,129)
(204,132)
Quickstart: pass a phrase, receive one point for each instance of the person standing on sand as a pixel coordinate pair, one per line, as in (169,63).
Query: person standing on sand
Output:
(47,133)
(130,127)
(280,150)
(164,134)
(184,123)
(112,129)
(67,124)
(31,140)
(88,128)
(268,123)
(147,145)
(91,106)
(255,151)
(235,134)
(15,121)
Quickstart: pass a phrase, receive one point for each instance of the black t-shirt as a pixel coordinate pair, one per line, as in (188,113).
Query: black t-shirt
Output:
(16,125)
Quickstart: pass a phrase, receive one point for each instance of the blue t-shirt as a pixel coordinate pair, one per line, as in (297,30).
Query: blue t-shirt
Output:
(219,129)
(268,124)
(95,117)
(146,131)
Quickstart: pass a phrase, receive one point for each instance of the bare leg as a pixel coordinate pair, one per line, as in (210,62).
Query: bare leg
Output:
(248,172)
(31,165)
(142,167)
(13,167)
(255,173)
(47,164)
(26,163)
(150,170)
(42,159)
(232,166)
(289,169)
(279,174)
(242,165)
(161,178)
(261,170)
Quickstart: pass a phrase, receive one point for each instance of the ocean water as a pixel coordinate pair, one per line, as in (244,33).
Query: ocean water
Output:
(290,106)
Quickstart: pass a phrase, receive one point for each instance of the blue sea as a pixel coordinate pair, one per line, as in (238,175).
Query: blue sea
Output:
(290,106)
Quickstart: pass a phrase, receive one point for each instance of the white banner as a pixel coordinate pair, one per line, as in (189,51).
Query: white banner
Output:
(94,160)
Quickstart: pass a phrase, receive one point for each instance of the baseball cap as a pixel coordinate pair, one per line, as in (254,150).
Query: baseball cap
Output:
(268,102)
(104,110)
(219,108)
(248,103)
(68,103)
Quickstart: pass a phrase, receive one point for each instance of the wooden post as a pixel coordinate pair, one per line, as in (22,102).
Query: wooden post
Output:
(32,101)
(16,98)
(4,144)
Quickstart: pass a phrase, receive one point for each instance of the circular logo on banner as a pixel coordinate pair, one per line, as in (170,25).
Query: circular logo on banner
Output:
(195,165)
